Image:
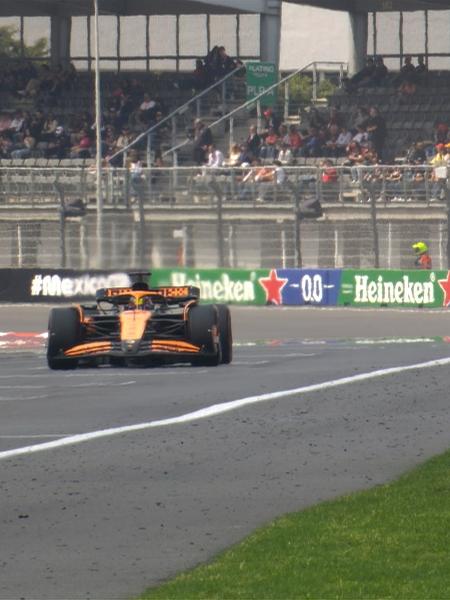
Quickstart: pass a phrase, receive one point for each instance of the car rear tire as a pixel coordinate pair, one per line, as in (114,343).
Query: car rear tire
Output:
(225,333)
(64,331)
(202,320)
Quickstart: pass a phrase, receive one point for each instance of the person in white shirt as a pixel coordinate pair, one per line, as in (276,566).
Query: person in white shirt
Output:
(285,155)
(343,140)
(215,157)
(362,137)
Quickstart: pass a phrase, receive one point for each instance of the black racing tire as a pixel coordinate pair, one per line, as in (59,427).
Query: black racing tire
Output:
(64,331)
(225,333)
(202,319)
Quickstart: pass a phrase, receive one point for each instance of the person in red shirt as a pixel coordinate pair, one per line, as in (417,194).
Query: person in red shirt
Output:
(423,258)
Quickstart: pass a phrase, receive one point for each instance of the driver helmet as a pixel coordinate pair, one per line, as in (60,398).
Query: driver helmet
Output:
(132,304)
(420,248)
(146,303)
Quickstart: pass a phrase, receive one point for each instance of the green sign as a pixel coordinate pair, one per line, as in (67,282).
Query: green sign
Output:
(260,76)
(231,286)
(374,287)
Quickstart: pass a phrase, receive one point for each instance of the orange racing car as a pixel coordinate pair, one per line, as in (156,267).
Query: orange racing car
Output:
(140,326)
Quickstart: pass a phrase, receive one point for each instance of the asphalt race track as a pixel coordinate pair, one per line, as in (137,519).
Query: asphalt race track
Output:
(108,516)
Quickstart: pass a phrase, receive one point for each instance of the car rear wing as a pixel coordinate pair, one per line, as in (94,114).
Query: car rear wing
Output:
(167,294)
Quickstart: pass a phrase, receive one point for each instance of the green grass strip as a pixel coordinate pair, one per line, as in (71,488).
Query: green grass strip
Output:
(392,541)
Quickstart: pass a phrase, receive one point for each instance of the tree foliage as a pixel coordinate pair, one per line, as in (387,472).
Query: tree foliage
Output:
(10,44)
(301,89)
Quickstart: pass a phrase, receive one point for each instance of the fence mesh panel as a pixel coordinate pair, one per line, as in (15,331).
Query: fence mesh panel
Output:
(311,215)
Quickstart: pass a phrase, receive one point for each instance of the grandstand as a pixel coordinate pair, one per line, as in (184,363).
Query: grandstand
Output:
(47,99)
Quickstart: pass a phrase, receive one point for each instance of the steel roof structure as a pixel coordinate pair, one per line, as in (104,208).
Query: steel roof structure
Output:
(165,7)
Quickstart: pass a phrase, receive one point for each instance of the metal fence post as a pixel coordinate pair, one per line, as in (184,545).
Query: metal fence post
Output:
(286,100)
(224,98)
(373,215)
(62,224)
(231,132)
(258,116)
(314,82)
(174,130)
(297,233)
(447,197)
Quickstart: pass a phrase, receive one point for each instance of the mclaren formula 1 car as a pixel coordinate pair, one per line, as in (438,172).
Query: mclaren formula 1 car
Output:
(140,326)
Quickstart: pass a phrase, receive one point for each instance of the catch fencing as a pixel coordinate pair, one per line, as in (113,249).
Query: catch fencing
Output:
(310,215)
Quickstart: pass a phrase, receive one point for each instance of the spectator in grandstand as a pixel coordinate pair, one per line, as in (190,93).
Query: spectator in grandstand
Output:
(5,122)
(124,139)
(123,111)
(359,117)
(416,154)
(361,136)
(254,141)
(24,147)
(269,174)
(58,145)
(376,128)
(439,175)
(218,64)
(269,149)
(16,126)
(226,63)
(440,131)
(69,77)
(313,143)
(6,145)
(148,109)
(215,157)
(294,139)
(32,88)
(330,147)
(271,120)
(421,70)
(36,124)
(361,77)
(316,119)
(49,127)
(285,156)
(197,81)
(212,61)
(234,157)
(329,172)
(355,157)
(343,140)
(137,179)
(335,118)
(83,148)
(158,136)
(202,138)
(379,74)
(245,156)
(109,137)
(408,71)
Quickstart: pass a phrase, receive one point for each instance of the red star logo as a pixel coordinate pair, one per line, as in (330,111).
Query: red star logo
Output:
(445,285)
(272,286)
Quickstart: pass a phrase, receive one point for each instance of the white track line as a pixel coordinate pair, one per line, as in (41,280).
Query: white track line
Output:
(217,409)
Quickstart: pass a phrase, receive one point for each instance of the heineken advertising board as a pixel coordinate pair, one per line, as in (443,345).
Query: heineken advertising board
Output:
(373,287)
(230,286)
(260,76)
(286,287)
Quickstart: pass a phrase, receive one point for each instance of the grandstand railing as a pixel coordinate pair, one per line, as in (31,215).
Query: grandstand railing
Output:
(329,183)
(206,218)
(189,110)
(285,101)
